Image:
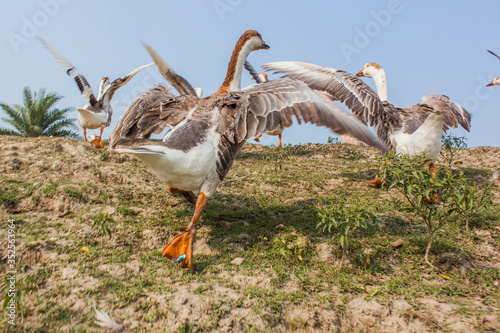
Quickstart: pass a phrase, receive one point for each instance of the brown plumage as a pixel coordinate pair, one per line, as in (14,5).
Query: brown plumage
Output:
(134,123)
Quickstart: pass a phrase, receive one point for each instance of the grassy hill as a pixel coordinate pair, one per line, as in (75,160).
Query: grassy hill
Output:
(66,196)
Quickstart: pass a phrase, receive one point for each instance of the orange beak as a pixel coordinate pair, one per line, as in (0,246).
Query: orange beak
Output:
(360,73)
(490,84)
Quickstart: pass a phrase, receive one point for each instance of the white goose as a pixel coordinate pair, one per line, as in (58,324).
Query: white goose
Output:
(196,155)
(414,130)
(97,112)
(496,81)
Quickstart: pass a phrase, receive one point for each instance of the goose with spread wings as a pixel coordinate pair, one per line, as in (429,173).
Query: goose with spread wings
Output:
(414,130)
(196,155)
(97,112)
(496,81)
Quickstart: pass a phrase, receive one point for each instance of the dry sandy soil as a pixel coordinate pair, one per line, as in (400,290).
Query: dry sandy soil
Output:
(60,192)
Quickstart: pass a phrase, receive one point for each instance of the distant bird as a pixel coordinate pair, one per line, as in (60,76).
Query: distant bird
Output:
(260,78)
(496,81)
(414,130)
(97,112)
(198,152)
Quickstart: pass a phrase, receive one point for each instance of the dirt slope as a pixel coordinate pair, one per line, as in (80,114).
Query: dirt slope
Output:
(61,192)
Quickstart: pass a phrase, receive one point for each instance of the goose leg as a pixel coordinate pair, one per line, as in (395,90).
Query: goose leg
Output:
(432,169)
(279,144)
(190,197)
(98,141)
(85,135)
(257,137)
(180,249)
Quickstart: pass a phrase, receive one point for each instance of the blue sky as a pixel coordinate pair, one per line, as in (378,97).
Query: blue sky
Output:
(424,46)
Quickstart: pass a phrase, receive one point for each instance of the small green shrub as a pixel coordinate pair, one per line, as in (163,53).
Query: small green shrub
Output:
(451,146)
(471,199)
(435,198)
(343,216)
(291,246)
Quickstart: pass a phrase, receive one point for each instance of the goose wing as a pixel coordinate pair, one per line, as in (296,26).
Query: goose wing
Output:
(74,73)
(453,113)
(108,92)
(178,82)
(340,85)
(263,107)
(165,113)
(128,125)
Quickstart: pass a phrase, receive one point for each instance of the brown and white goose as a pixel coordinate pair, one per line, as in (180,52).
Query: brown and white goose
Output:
(198,152)
(414,130)
(97,112)
(496,81)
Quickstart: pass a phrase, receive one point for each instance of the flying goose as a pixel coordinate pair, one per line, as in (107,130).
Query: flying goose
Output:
(198,152)
(260,78)
(496,81)
(414,130)
(97,112)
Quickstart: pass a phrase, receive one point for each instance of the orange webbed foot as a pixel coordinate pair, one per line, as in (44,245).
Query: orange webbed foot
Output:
(180,249)
(257,137)
(377,182)
(97,143)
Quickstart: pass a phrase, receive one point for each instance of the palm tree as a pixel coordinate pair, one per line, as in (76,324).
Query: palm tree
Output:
(37,117)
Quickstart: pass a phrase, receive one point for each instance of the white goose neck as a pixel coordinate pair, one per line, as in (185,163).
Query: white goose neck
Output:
(381,84)
(235,84)
(232,82)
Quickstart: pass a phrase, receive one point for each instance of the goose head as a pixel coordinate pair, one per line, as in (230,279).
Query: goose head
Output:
(252,40)
(249,41)
(377,73)
(263,77)
(495,82)
(371,70)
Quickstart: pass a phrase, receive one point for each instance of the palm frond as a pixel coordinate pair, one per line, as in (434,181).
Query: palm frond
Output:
(6,131)
(18,126)
(58,126)
(37,116)
(13,114)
